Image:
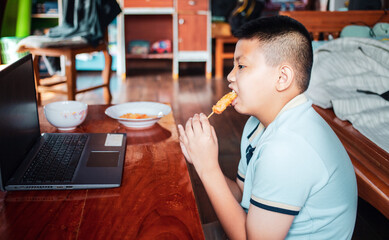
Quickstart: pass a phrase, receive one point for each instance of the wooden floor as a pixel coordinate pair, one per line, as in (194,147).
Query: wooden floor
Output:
(194,94)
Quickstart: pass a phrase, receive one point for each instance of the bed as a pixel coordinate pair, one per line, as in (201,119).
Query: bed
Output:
(370,159)
(369,156)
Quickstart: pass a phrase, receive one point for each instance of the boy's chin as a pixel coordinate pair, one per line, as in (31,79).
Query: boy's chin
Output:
(237,109)
(242,110)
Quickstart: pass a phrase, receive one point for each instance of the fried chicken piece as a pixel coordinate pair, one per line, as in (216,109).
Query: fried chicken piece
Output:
(224,102)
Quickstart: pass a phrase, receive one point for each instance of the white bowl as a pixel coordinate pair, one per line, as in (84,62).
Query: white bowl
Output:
(66,115)
(153,109)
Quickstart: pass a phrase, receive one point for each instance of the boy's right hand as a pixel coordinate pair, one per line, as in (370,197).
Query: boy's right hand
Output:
(198,142)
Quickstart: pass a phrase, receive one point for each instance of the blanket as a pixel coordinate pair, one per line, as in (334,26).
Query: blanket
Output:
(342,68)
(84,22)
(86,18)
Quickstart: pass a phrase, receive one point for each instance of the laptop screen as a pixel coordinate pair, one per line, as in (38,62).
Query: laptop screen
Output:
(19,122)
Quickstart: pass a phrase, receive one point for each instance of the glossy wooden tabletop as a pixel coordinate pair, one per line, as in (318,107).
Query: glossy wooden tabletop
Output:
(155,200)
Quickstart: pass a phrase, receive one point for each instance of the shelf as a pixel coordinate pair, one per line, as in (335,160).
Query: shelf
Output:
(45,15)
(148,11)
(156,20)
(192,56)
(150,56)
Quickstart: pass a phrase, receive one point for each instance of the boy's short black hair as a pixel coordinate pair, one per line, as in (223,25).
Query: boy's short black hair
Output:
(282,39)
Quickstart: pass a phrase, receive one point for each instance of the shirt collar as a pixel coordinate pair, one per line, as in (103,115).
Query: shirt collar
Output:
(296,101)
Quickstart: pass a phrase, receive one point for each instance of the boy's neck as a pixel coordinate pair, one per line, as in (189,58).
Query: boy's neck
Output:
(278,107)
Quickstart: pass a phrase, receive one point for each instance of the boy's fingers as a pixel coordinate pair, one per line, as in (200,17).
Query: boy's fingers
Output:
(183,137)
(214,134)
(180,129)
(188,128)
(197,128)
(184,151)
(205,124)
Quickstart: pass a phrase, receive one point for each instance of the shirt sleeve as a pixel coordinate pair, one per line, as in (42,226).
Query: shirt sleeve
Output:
(284,175)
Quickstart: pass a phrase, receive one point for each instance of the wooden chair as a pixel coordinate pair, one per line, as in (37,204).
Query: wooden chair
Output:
(69,53)
(221,32)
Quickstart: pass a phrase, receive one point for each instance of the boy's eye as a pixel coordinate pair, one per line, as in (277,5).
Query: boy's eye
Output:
(241,66)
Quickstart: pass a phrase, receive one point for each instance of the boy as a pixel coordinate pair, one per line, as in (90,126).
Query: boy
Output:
(295,179)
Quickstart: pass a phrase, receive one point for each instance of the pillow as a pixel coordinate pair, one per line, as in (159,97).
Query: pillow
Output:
(356,31)
(381,30)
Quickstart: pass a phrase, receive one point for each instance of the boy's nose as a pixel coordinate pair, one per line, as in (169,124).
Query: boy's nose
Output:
(231,75)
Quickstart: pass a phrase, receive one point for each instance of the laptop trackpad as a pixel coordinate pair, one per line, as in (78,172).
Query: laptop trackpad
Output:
(103,159)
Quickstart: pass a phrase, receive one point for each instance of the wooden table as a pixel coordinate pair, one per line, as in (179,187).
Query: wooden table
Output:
(155,201)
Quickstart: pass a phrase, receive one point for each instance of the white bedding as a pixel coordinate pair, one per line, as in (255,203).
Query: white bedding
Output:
(341,67)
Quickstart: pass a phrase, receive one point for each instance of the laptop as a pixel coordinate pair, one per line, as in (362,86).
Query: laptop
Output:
(31,160)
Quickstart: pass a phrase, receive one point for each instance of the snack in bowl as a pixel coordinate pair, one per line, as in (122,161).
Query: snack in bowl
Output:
(138,115)
(66,115)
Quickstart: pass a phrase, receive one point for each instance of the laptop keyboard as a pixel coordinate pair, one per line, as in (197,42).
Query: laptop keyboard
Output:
(57,159)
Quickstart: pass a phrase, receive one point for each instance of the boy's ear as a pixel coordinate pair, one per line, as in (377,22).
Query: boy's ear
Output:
(286,78)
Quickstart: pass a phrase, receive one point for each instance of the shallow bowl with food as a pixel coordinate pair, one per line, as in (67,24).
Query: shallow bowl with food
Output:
(66,115)
(138,115)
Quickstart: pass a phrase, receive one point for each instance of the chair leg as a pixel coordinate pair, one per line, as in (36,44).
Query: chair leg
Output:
(208,74)
(219,49)
(70,72)
(35,64)
(106,74)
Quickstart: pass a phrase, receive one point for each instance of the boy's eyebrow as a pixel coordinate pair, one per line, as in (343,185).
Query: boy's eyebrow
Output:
(239,57)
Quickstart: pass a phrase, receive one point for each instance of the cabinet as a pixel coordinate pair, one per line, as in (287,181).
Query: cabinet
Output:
(187,23)
(189,40)
(194,33)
